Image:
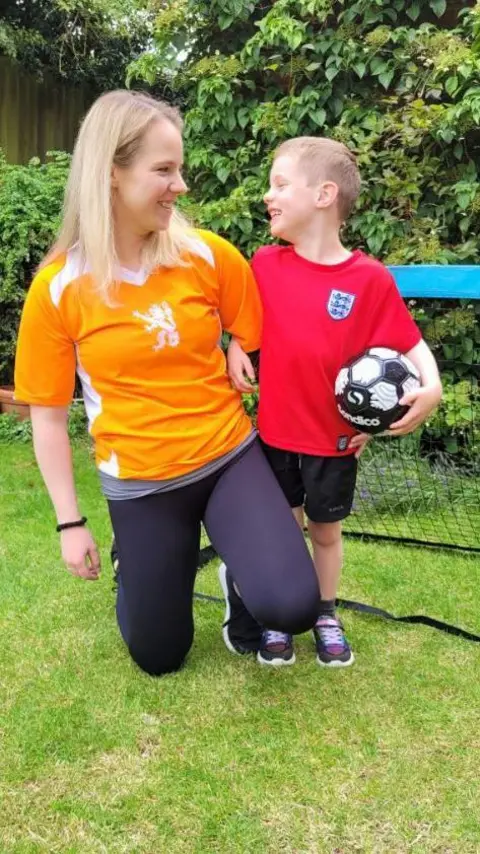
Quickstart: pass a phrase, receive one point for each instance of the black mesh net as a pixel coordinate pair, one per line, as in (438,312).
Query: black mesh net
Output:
(426,487)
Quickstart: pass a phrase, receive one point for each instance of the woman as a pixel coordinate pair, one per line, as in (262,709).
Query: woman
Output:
(135,301)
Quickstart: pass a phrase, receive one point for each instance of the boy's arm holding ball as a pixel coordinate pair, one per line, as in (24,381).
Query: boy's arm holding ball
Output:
(422,401)
(425,399)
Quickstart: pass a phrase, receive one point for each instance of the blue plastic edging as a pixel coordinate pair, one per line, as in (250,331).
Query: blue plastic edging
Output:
(437,280)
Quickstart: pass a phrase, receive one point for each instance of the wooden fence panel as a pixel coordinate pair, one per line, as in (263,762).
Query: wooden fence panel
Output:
(37,115)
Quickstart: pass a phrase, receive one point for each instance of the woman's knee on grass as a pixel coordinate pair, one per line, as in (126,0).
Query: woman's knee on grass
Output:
(157,656)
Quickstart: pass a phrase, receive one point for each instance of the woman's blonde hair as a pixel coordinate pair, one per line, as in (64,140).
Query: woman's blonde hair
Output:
(111,134)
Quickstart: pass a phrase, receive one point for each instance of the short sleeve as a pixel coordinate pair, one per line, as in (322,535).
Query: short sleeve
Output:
(393,322)
(45,359)
(239,304)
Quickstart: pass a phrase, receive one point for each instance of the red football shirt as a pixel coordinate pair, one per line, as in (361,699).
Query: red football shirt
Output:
(317,318)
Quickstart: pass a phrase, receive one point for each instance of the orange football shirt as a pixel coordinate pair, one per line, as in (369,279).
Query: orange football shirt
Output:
(154,378)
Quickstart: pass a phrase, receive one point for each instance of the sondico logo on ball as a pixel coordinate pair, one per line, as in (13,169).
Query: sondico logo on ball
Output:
(359,419)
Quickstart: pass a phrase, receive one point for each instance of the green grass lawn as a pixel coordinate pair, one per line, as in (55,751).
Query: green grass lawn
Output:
(226,757)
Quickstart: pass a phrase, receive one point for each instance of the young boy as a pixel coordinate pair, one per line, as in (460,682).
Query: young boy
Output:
(323,304)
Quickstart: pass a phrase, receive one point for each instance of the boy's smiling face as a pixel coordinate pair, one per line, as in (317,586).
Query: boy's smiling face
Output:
(293,201)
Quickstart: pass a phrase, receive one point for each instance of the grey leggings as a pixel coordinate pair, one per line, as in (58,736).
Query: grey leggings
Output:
(252,528)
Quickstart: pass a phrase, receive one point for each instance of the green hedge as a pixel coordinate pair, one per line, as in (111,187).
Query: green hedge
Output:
(30,205)
(398,81)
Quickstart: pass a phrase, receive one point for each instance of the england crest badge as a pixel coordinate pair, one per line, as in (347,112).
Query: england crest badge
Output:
(340,304)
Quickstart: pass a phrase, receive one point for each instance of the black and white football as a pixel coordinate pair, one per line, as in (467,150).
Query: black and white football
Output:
(369,388)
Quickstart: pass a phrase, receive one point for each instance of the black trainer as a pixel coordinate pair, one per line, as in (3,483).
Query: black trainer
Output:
(333,649)
(241,632)
(276,649)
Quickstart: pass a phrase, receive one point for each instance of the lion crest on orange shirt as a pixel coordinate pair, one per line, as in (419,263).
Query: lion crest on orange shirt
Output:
(160,317)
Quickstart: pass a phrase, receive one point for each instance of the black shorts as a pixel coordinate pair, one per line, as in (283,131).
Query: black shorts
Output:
(323,485)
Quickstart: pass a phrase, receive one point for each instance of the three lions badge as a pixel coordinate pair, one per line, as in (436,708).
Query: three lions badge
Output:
(340,304)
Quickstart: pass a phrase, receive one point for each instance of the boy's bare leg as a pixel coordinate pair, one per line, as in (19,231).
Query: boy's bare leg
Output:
(326,538)
(327,545)
(333,649)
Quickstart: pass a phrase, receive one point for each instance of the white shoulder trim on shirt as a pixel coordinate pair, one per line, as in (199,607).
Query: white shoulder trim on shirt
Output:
(199,247)
(71,270)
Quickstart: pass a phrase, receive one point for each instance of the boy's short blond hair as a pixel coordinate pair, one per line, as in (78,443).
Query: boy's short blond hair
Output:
(328,160)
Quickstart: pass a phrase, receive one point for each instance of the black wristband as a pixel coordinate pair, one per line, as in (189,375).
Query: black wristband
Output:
(64,526)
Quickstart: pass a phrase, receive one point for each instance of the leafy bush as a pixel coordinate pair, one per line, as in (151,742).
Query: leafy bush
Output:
(452,329)
(30,205)
(398,82)
(13,430)
(82,42)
